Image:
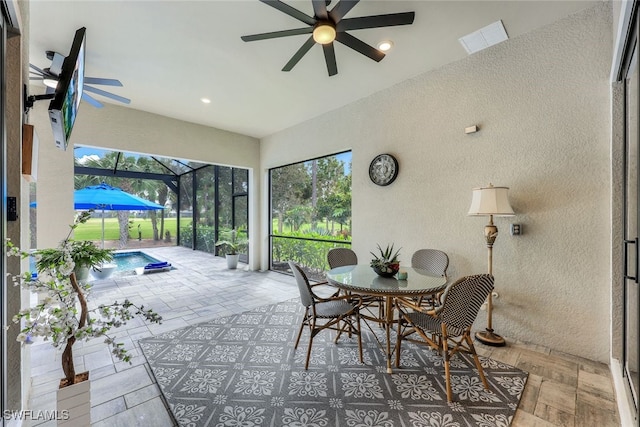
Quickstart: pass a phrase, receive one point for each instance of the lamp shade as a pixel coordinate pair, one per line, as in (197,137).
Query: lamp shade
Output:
(490,201)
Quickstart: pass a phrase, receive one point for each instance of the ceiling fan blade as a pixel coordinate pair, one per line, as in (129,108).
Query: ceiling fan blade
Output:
(106,94)
(320,9)
(90,100)
(39,70)
(330,58)
(36,78)
(342,8)
(100,81)
(276,34)
(360,46)
(376,21)
(291,11)
(299,54)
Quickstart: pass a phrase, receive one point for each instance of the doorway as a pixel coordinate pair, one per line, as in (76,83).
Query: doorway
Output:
(631,222)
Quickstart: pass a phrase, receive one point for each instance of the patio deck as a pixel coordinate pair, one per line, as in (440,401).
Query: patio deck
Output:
(561,390)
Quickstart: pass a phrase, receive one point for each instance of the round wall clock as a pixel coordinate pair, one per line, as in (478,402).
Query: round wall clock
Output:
(383,169)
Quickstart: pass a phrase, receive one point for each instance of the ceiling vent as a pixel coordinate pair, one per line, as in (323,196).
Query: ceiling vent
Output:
(484,37)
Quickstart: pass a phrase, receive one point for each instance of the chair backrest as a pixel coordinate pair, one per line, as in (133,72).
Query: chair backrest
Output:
(432,260)
(339,257)
(462,300)
(306,295)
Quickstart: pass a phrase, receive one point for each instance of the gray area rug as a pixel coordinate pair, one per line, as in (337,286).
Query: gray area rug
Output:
(242,371)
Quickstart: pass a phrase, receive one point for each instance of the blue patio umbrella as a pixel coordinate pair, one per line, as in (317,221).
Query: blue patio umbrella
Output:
(107,198)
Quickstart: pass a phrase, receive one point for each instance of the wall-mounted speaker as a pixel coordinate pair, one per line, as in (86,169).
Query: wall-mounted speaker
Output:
(29,153)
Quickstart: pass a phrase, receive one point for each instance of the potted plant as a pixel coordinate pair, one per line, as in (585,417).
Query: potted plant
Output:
(386,263)
(232,245)
(84,254)
(63,315)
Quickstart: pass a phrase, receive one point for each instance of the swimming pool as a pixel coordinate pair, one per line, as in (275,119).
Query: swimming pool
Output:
(127,262)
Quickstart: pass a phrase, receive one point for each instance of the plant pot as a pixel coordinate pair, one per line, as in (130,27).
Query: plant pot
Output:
(82,274)
(232,261)
(104,271)
(74,402)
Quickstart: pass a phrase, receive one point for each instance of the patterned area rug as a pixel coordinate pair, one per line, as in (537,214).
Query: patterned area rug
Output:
(242,371)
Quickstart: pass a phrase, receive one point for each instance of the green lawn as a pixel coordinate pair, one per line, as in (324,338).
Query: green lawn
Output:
(92,229)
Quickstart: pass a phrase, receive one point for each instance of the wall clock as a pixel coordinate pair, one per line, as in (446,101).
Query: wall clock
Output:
(383,169)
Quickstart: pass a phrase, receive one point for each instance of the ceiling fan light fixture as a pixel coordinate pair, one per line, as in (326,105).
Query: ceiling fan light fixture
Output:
(385,45)
(52,83)
(324,33)
(205,100)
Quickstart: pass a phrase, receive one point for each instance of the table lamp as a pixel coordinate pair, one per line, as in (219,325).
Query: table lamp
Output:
(490,201)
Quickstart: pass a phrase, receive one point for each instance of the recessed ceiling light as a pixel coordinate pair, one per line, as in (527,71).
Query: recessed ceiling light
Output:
(385,45)
(205,100)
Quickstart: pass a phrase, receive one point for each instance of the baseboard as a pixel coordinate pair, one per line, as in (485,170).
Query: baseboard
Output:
(625,407)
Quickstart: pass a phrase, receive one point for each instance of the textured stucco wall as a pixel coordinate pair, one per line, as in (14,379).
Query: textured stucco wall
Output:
(617,229)
(541,101)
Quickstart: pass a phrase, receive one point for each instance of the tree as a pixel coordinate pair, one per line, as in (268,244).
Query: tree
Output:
(147,189)
(290,186)
(334,192)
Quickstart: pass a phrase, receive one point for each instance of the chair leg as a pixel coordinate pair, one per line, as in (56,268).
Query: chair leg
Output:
(399,340)
(304,323)
(359,336)
(306,363)
(446,356)
(472,350)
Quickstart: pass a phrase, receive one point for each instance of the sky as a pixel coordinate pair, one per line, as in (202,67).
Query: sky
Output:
(83,153)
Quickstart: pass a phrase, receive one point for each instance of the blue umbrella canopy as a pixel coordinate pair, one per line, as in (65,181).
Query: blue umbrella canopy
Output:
(108,198)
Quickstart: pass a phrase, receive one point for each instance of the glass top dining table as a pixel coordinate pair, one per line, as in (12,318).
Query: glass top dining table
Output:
(361,279)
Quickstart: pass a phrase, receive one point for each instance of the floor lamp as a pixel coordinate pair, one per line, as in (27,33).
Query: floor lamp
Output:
(490,201)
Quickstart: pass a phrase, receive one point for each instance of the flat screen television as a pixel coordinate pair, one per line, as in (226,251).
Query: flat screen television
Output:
(63,108)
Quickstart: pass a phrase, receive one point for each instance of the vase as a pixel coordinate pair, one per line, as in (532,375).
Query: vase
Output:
(82,273)
(103,271)
(232,261)
(74,402)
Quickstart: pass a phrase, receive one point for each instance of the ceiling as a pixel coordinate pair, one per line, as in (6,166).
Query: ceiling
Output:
(170,54)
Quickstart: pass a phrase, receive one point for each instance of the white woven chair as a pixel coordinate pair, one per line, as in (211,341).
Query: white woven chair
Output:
(339,313)
(435,262)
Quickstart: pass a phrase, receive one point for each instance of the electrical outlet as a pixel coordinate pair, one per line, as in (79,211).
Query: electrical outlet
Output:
(516,229)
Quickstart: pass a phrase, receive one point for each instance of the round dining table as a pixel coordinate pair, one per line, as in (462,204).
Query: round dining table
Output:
(362,280)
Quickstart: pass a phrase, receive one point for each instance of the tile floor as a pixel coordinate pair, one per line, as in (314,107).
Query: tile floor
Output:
(562,390)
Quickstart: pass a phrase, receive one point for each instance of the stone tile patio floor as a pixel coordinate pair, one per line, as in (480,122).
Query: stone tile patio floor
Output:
(561,390)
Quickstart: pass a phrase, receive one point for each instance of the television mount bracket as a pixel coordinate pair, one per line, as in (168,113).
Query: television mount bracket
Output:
(29,100)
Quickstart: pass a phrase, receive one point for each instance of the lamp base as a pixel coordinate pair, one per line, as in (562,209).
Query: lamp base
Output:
(489,338)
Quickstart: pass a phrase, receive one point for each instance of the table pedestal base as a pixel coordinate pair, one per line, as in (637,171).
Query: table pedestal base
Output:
(489,338)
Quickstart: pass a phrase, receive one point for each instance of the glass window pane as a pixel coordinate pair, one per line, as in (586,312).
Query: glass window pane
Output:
(310,212)
(632,297)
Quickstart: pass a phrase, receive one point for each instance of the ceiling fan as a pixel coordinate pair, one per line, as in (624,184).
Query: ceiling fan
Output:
(49,76)
(326,26)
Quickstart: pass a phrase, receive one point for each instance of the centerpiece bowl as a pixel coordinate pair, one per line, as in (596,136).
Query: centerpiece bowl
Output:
(389,270)
(385,263)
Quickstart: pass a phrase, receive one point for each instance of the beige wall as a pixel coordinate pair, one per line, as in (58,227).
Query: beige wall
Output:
(120,128)
(543,108)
